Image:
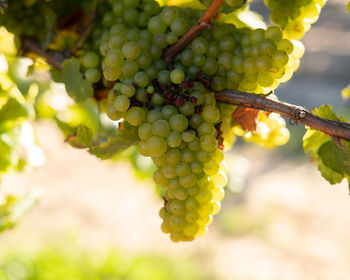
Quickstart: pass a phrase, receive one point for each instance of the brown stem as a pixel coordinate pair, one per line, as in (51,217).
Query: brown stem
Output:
(297,113)
(201,24)
(84,33)
(53,58)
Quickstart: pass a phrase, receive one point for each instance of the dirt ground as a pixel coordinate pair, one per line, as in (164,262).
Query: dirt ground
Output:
(306,226)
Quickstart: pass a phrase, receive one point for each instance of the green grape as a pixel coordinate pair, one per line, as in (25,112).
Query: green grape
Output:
(153,116)
(156,25)
(187,109)
(159,178)
(93,75)
(131,50)
(178,122)
(161,128)
(206,128)
(129,68)
(90,60)
(188,181)
(169,14)
(208,143)
(173,156)
(177,76)
(211,114)
(113,114)
(179,26)
(188,156)
(168,111)
(135,116)
(199,45)
(157,99)
(169,171)
(156,146)
(174,139)
(141,79)
(144,131)
(121,103)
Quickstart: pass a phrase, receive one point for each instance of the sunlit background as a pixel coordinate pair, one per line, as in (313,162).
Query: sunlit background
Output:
(279,220)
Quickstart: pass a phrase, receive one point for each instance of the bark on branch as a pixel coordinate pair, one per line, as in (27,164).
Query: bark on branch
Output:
(201,24)
(53,58)
(297,113)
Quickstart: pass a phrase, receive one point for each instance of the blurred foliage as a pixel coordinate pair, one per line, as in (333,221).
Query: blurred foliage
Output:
(13,208)
(70,262)
(238,221)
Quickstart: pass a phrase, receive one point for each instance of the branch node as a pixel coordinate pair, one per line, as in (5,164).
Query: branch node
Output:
(299,114)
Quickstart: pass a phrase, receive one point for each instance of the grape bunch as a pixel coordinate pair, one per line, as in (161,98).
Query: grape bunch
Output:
(270,131)
(174,109)
(294,16)
(243,59)
(182,136)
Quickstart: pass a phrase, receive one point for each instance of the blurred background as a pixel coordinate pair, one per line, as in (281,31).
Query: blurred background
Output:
(279,220)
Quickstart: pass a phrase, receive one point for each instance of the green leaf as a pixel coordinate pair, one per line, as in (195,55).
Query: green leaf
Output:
(336,158)
(81,139)
(9,150)
(127,136)
(333,160)
(312,141)
(326,112)
(76,86)
(329,174)
(12,113)
(244,18)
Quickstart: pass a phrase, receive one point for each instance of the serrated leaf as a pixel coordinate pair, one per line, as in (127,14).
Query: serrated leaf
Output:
(81,139)
(127,136)
(329,174)
(313,140)
(333,160)
(246,118)
(77,87)
(243,18)
(336,158)
(326,112)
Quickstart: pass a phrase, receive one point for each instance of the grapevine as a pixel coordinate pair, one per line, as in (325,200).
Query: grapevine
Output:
(182,84)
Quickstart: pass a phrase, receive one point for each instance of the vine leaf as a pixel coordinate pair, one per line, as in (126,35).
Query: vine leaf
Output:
(246,118)
(77,87)
(81,139)
(333,158)
(110,147)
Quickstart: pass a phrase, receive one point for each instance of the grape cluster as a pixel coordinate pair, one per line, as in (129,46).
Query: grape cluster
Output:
(178,120)
(270,131)
(27,17)
(294,16)
(247,60)
(182,137)
(179,124)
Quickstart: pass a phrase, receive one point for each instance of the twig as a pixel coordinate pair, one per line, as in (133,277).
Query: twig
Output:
(85,32)
(201,24)
(53,58)
(297,113)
